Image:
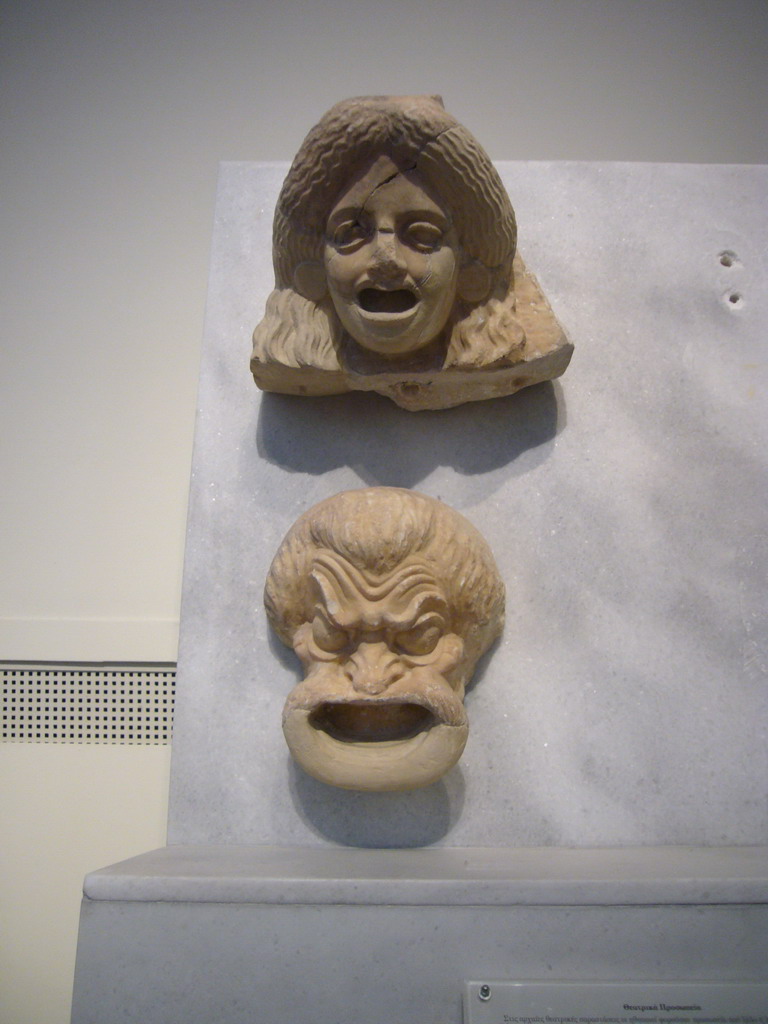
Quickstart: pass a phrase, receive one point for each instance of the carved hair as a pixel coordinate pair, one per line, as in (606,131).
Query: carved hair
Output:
(417,134)
(376,529)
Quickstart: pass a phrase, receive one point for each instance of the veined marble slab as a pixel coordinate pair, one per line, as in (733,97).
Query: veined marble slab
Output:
(625,704)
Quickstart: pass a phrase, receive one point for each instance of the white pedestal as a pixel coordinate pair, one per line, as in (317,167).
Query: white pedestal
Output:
(242,934)
(624,707)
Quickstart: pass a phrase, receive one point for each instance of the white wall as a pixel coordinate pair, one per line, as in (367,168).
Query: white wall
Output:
(114,117)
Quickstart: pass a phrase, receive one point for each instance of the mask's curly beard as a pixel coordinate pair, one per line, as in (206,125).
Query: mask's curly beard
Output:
(405,738)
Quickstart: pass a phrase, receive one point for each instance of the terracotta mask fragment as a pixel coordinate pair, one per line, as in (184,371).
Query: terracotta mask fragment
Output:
(396,266)
(389,598)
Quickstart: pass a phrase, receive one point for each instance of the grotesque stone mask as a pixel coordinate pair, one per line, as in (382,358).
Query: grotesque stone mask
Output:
(388,598)
(394,247)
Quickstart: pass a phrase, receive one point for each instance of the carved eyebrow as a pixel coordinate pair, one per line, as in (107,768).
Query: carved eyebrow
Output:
(333,582)
(337,217)
(436,217)
(339,583)
(396,583)
(418,580)
(321,609)
(407,217)
(409,615)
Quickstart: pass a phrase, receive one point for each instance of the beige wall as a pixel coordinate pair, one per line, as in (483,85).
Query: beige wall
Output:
(114,116)
(66,810)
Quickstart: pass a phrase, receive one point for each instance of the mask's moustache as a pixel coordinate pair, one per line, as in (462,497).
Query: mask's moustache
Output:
(406,738)
(419,700)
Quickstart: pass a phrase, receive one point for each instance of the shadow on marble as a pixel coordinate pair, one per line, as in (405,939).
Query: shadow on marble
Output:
(366,431)
(482,666)
(378,820)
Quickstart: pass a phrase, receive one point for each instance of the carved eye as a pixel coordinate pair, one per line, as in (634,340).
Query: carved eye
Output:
(421,638)
(327,636)
(349,235)
(423,236)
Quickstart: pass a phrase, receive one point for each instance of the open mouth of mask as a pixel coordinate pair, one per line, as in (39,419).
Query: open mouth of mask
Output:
(368,722)
(380,300)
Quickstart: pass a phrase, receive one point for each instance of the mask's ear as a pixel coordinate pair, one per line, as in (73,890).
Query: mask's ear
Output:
(301,643)
(474,282)
(309,280)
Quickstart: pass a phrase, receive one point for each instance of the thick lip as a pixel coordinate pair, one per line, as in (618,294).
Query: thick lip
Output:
(372,721)
(377,766)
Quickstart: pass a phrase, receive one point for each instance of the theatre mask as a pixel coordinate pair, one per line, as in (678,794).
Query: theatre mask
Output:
(396,270)
(388,597)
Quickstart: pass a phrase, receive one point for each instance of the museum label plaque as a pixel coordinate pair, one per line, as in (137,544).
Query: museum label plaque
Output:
(522,1002)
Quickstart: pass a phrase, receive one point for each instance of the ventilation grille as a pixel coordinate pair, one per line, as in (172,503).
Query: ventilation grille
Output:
(88,703)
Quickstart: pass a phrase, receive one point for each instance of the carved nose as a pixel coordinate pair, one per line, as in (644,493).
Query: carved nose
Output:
(388,262)
(373,668)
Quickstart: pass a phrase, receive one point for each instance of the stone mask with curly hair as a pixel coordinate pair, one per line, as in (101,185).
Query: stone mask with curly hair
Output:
(389,598)
(394,247)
